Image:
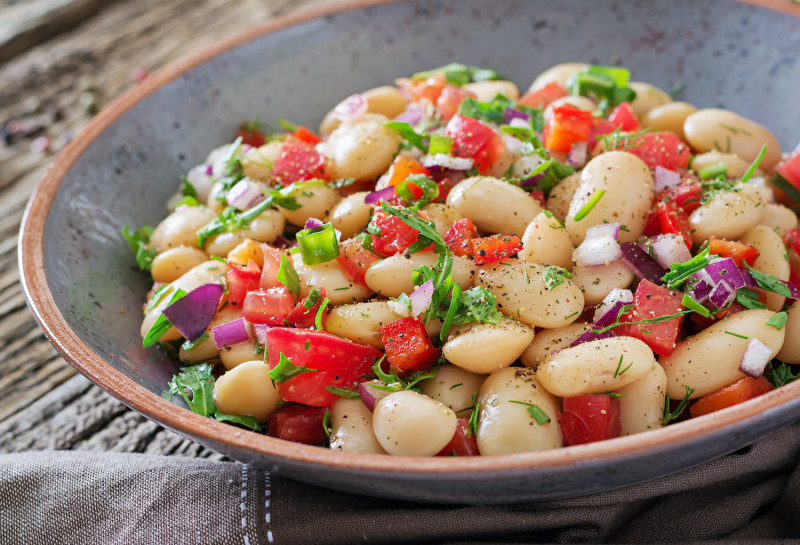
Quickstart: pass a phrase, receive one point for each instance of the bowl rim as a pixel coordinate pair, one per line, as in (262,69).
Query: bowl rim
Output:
(46,313)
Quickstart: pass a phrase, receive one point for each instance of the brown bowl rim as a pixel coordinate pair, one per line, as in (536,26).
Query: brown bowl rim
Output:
(80,356)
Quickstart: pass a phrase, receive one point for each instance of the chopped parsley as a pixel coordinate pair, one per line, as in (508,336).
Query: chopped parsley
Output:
(778,320)
(139,242)
(535,412)
(459,74)
(286,370)
(553,276)
(670,416)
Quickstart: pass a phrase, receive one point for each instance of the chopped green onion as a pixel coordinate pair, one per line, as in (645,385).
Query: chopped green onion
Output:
(320,312)
(691,304)
(318,245)
(791,191)
(712,171)
(534,411)
(430,191)
(440,144)
(587,208)
(681,271)
(287,125)
(754,166)
(737,335)
(162,324)
(287,275)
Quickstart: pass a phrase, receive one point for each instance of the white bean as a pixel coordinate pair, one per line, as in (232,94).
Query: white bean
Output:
(340,288)
(790,351)
(207,350)
(352,214)
(362,322)
(493,205)
(668,117)
(483,347)
(736,166)
(550,341)
(642,402)
(233,356)
(171,264)
(444,216)
(362,150)
(598,281)
(546,242)
(257,162)
(247,390)
(562,194)
(410,424)
(351,428)
(391,277)
(180,228)
(729,214)
(485,91)
(772,258)
(647,97)
(387,101)
(453,387)
(264,228)
(779,218)
(316,199)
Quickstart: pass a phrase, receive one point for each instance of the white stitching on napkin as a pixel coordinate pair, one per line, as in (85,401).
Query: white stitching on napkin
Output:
(243,505)
(267,502)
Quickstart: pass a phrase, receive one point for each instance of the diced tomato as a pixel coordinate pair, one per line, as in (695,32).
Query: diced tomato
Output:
(445,185)
(297,162)
(402,168)
(538,196)
(251,134)
(653,301)
(541,98)
(272,263)
(269,307)
(395,236)
(790,168)
(298,423)
(355,259)
(459,237)
(449,101)
(463,442)
(738,251)
(567,125)
(494,248)
(470,136)
(408,348)
(339,363)
(684,196)
(664,149)
(792,240)
(669,219)
(623,117)
(487,158)
(428,89)
(305,135)
(242,280)
(600,127)
(305,318)
(794,278)
(738,392)
(589,418)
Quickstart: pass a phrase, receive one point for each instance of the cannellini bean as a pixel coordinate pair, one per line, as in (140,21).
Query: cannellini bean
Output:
(550,341)
(453,387)
(594,367)
(562,194)
(504,425)
(233,356)
(668,117)
(391,277)
(772,258)
(264,228)
(484,348)
(171,264)
(729,214)
(522,294)
(647,97)
(485,91)
(444,216)
(216,198)
(245,251)
(180,228)
(362,150)
(628,185)
(559,73)
(717,129)
(598,281)
(736,165)
(493,205)
(642,403)
(779,218)
(710,360)
(387,101)
(410,424)
(205,273)
(316,199)
(790,351)
(351,428)
(257,162)
(362,322)
(352,214)
(247,390)
(339,287)
(207,350)
(546,242)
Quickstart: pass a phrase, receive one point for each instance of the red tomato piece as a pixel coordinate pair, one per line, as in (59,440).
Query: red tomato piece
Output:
(623,118)
(684,196)
(538,196)
(445,185)
(653,301)
(589,418)
(541,98)
(305,318)
(297,162)
(269,307)
(459,237)
(251,134)
(450,99)
(664,149)
(494,248)
(669,219)
(738,392)
(565,126)
(470,136)
(792,240)
(272,263)
(298,423)
(790,168)
(738,251)
(487,158)
(408,348)
(600,127)
(339,363)
(355,259)
(305,135)
(463,442)
(428,89)
(242,280)
(395,236)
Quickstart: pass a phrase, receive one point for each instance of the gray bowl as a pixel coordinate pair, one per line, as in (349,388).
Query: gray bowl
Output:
(77,272)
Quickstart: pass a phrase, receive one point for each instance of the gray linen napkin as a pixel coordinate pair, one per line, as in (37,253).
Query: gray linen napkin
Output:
(65,497)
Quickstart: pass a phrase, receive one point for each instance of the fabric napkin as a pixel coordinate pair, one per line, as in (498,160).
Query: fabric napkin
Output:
(67,497)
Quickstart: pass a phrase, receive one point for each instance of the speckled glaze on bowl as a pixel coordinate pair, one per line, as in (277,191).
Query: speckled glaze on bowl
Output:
(76,268)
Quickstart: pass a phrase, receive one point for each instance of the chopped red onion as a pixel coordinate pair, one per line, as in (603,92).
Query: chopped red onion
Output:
(381,195)
(519,123)
(231,333)
(669,249)
(412,115)
(421,298)
(755,358)
(524,166)
(595,251)
(725,269)
(352,108)
(512,114)
(442,160)
(370,395)
(192,313)
(513,145)
(609,304)
(666,178)
(748,278)
(312,223)
(281,242)
(244,194)
(577,155)
(246,148)
(260,332)
(702,286)
(605,320)
(603,230)
(200,178)
(209,170)
(722,294)
(642,264)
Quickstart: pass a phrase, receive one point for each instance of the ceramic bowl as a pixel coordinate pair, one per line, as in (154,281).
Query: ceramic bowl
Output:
(77,272)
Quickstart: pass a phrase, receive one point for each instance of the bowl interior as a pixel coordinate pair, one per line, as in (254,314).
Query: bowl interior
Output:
(726,54)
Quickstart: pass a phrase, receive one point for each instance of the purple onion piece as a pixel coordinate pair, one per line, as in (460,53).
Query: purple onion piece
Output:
(244,194)
(642,264)
(533,181)
(231,333)
(577,155)
(512,113)
(700,291)
(312,223)
(599,250)
(668,249)
(749,281)
(603,229)
(666,178)
(352,108)
(421,298)
(260,332)
(590,335)
(412,115)
(795,293)
(281,242)
(608,310)
(209,170)
(725,269)
(192,313)
(370,395)
(722,294)
(755,358)
(381,195)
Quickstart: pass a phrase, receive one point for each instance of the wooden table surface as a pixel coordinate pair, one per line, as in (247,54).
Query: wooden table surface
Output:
(60,61)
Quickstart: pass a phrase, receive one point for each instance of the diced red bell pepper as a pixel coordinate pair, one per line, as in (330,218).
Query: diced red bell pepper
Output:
(590,418)
(541,98)
(242,280)
(494,248)
(269,307)
(450,100)
(395,236)
(459,237)
(790,168)
(297,162)
(251,134)
(305,135)
(402,168)
(408,348)
(684,196)
(653,301)
(667,219)
(567,125)
(305,318)
(738,251)
(463,442)
(623,117)
(298,423)
(664,149)
(738,392)
(355,259)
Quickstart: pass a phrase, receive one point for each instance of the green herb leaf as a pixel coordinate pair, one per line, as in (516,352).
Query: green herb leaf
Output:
(607,84)
(162,324)
(587,208)
(768,282)
(749,299)
(693,305)
(288,126)
(286,370)
(459,74)
(348,393)
(679,272)
(243,420)
(472,423)
(737,335)
(408,133)
(198,379)
(553,276)
(669,416)
(778,320)
(156,297)
(139,242)
(320,314)
(187,189)
(535,412)
(287,275)
(780,376)
(427,229)
(189,345)
(754,166)
(791,191)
